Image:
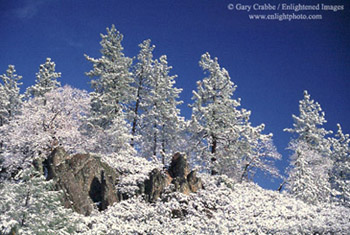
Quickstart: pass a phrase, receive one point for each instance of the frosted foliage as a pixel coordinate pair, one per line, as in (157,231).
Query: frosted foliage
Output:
(113,140)
(223,208)
(223,139)
(308,125)
(133,171)
(112,87)
(161,125)
(142,71)
(31,206)
(311,163)
(46,80)
(340,177)
(42,126)
(156,121)
(10,97)
(308,177)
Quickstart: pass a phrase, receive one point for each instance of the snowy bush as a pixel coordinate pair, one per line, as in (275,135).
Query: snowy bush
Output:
(32,206)
(133,171)
(224,207)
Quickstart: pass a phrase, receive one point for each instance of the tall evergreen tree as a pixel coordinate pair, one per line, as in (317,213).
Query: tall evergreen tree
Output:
(113,89)
(142,72)
(46,80)
(161,123)
(311,163)
(10,97)
(308,177)
(223,136)
(340,177)
(308,126)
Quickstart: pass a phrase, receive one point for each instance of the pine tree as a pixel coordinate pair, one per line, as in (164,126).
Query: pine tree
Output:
(112,88)
(308,177)
(46,80)
(223,137)
(142,73)
(10,97)
(308,126)
(340,177)
(161,123)
(311,163)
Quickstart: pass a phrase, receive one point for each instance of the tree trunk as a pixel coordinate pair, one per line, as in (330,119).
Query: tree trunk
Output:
(155,140)
(281,186)
(163,146)
(25,205)
(136,112)
(213,151)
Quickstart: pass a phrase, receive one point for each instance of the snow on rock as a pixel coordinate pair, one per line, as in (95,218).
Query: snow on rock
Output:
(133,172)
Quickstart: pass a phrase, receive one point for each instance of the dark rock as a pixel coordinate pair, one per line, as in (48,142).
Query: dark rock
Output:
(87,181)
(155,185)
(181,185)
(179,213)
(184,180)
(178,174)
(179,166)
(84,179)
(194,182)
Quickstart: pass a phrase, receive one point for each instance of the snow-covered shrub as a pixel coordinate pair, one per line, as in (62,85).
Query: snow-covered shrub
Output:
(31,205)
(133,171)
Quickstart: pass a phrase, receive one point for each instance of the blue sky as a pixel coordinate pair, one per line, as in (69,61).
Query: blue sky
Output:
(271,62)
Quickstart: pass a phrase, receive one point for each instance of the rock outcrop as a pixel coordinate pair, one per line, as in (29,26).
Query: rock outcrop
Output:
(87,181)
(178,174)
(84,179)
(194,182)
(179,166)
(155,185)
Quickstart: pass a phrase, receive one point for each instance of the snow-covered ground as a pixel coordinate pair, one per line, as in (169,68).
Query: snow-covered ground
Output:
(223,207)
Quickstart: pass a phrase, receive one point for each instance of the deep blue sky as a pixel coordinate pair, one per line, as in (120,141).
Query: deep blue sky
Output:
(271,62)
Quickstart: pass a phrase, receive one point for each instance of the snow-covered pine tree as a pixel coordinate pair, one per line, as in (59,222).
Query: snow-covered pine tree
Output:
(46,80)
(224,140)
(161,123)
(308,177)
(141,74)
(113,89)
(340,177)
(308,126)
(310,174)
(112,98)
(10,97)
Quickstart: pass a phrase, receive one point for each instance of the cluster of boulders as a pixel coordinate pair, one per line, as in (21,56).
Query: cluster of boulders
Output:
(88,182)
(178,174)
